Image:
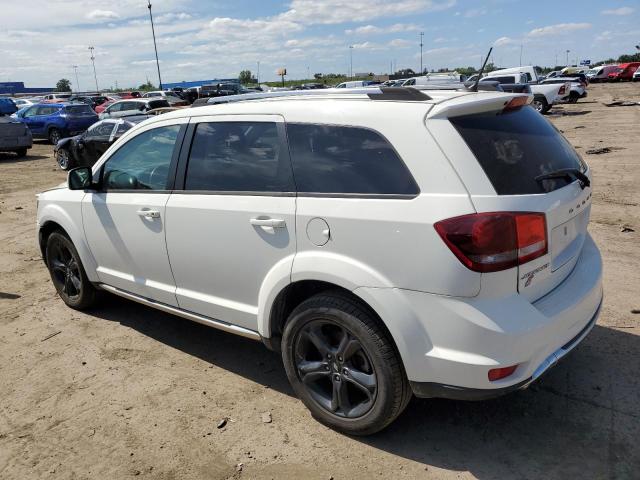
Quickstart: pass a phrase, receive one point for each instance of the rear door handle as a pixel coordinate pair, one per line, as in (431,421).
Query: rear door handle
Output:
(268,222)
(149,213)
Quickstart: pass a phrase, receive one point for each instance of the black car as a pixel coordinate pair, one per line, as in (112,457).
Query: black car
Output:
(85,149)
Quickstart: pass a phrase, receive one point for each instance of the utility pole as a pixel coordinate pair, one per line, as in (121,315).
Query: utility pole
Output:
(351,61)
(258,74)
(421,43)
(153,32)
(308,73)
(567,58)
(556,64)
(520,54)
(75,69)
(93,58)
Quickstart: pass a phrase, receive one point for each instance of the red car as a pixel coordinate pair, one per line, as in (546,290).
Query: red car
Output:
(128,95)
(625,71)
(100,108)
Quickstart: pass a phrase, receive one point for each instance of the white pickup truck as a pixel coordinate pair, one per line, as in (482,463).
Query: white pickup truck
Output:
(544,95)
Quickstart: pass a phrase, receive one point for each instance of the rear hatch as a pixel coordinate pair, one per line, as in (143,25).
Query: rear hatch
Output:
(513,148)
(79,117)
(11,128)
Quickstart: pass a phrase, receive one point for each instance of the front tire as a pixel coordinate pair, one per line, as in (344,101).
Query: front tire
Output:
(67,273)
(63,157)
(343,364)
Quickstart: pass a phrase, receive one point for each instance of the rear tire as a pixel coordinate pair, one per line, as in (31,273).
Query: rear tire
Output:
(67,273)
(21,153)
(540,104)
(54,136)
(354,380)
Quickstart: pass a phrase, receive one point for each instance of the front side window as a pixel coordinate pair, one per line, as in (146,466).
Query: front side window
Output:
(238,157)
(143,162)
(346,160)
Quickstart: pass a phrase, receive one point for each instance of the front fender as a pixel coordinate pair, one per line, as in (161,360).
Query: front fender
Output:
(70,219)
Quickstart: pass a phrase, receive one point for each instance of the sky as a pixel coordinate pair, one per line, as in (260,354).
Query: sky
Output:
(41,40)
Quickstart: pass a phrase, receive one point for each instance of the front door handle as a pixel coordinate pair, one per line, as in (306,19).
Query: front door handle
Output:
(149,213)
(268,222)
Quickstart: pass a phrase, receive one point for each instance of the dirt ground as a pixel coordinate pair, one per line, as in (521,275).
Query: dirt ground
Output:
(127,391)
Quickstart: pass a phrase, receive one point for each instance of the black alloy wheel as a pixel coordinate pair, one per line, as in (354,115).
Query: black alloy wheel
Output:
(343,364)
(67,273)
(335,368)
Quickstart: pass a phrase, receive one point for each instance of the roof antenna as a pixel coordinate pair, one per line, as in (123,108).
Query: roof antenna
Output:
(474,88)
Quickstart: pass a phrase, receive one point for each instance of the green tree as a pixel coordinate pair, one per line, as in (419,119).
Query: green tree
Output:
(146,87)
(63,85)
(246,77)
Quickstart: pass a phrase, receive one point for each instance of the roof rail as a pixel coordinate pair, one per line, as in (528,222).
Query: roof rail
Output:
(374,93)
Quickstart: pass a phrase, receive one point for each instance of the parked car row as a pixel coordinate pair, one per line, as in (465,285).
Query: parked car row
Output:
(614,73)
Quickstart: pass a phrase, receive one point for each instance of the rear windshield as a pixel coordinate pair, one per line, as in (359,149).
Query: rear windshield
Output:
(515,147)
(79,110)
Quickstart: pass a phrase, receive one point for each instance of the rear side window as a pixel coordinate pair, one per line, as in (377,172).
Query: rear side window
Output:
(238,157)
(158,104)
(346,160)
(515,147)
(79,110)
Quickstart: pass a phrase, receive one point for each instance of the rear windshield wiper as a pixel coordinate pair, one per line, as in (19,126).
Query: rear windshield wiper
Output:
(566,173)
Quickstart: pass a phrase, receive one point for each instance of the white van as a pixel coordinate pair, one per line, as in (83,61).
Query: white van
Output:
(601,73)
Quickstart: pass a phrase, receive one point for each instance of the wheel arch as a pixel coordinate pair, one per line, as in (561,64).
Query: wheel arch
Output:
(53,218)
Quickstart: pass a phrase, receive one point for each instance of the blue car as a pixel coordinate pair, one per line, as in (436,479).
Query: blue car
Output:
(53,121)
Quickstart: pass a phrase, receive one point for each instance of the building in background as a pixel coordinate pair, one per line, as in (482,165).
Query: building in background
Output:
(14,88)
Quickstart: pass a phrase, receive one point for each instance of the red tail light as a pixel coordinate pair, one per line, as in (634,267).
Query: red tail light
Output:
(562,90)
(516,102)
(500,373)
(490,242)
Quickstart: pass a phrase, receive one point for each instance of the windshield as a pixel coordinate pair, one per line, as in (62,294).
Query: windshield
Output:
(515,147)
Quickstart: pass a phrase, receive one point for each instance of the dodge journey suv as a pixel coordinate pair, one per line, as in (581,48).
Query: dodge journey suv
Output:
(387,241)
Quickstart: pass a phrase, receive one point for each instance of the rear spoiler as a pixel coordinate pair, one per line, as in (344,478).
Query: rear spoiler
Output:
(474,103)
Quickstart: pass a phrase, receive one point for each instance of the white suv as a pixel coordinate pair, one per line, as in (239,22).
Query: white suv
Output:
(386,241)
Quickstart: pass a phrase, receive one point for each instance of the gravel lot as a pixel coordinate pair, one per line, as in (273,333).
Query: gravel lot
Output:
(127,391)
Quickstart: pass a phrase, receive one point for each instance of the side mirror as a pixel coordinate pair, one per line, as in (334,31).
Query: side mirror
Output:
(79,178)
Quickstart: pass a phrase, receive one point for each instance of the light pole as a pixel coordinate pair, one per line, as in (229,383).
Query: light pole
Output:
(153,32)
(567,58)
(308,73)
(75,69)
(93,58)
(520,54)
(350,61)
(421,43)
(258,74)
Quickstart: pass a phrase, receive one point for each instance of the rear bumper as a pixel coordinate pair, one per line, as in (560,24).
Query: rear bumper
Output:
(449,344)
(429,390)
(14,143)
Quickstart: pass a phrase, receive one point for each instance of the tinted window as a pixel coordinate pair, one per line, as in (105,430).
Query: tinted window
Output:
(143,162)
(515,147)
(238,157)
(46,110)
(157,104)
(123,127)
(31,112)
(101,129)
(79,110)
(329,159)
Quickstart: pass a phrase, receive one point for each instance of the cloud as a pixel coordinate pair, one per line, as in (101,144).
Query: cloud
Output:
(400,43)
(475,12)
(618,11)
(558,29)
(102,15)
(144,62)
(375,30)
(502,41)
(171,17)
(313,12)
